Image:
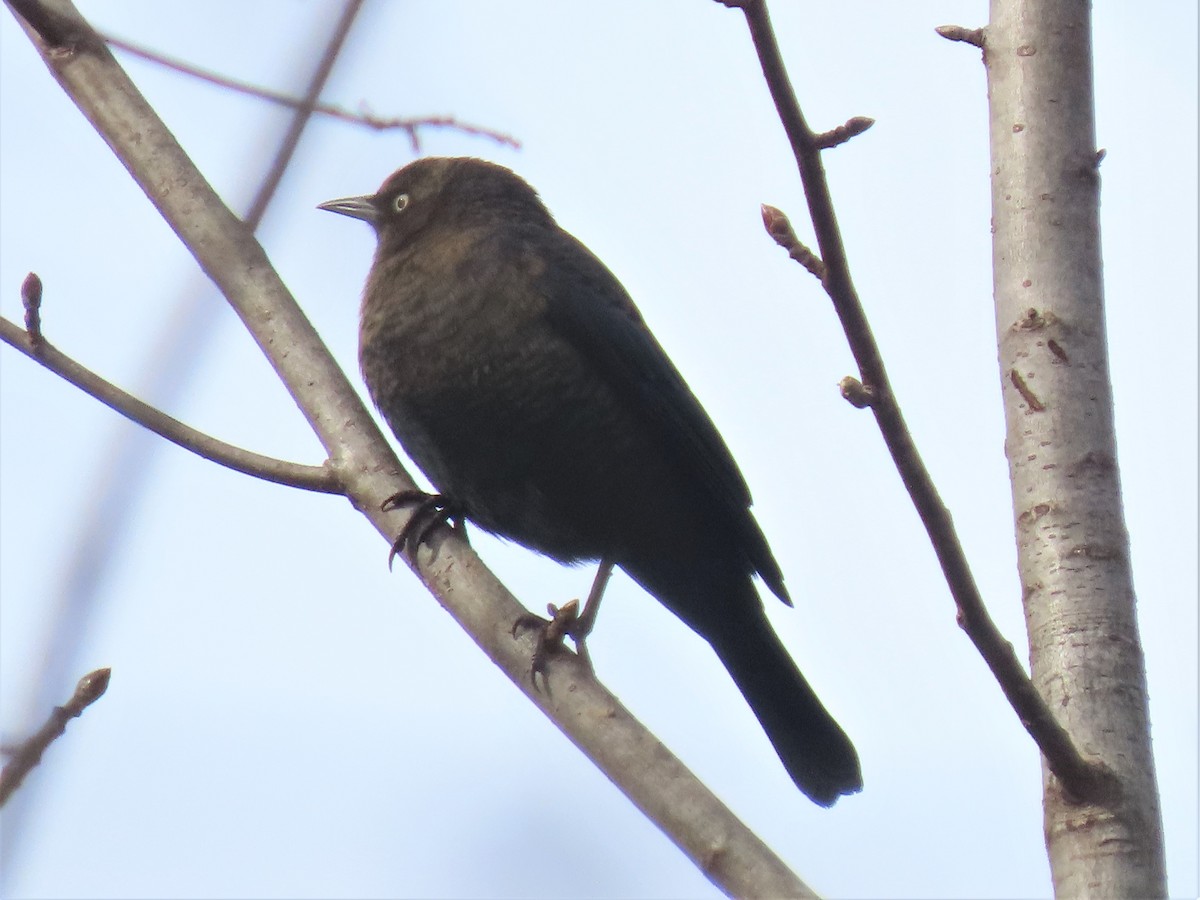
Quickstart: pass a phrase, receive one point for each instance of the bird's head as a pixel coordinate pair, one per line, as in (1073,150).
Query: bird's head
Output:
(442,191)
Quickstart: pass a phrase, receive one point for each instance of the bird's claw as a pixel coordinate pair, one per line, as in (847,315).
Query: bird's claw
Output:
(564,622)
(431,510)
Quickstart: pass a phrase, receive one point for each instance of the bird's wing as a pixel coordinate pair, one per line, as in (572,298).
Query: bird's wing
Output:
(589,308)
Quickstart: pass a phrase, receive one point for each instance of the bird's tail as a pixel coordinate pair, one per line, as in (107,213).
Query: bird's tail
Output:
(812,746)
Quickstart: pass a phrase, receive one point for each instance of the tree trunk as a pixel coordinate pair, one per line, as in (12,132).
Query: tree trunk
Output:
(1073,548)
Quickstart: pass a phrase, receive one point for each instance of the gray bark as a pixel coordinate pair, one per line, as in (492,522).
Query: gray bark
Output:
(1073,548)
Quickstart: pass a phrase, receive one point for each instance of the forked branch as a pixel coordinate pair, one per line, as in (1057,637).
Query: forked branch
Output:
(34,345)
(1082,777)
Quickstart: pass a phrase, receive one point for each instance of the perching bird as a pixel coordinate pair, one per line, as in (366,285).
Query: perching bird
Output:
(517,373)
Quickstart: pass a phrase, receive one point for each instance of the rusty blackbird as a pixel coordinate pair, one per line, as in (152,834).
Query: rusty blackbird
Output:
(520,377)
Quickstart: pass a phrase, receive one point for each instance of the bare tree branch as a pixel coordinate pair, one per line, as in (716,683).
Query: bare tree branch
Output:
(591,717)
(101,525)
(310,478)
(102,522)
(411,125)
(28,754)
(1082,776)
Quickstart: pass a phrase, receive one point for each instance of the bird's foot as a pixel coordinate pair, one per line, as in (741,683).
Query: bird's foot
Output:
(564,622)
(431,510)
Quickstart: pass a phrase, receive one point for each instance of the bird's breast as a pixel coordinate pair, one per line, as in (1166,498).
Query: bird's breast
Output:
(448,311)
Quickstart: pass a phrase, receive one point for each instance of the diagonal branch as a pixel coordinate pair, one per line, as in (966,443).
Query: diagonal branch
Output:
(588,714)
(310,478)
(1082,777)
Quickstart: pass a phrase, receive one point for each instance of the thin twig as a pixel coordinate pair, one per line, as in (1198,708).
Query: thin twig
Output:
(311,478)
(410,125)
(304,108)
(780,228)
(973,36)
(842,133)
(1083,778)
(91,687)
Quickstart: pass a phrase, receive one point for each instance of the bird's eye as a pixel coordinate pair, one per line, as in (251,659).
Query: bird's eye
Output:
(400,202)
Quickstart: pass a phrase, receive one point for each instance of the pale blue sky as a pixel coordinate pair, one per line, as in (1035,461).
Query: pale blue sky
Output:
(288,719)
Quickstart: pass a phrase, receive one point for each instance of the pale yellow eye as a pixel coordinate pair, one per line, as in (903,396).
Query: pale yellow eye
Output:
(400,202)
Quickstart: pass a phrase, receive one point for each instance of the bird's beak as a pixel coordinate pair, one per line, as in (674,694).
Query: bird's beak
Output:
(354,207)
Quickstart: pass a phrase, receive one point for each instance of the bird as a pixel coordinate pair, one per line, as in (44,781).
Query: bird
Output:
(517,373)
